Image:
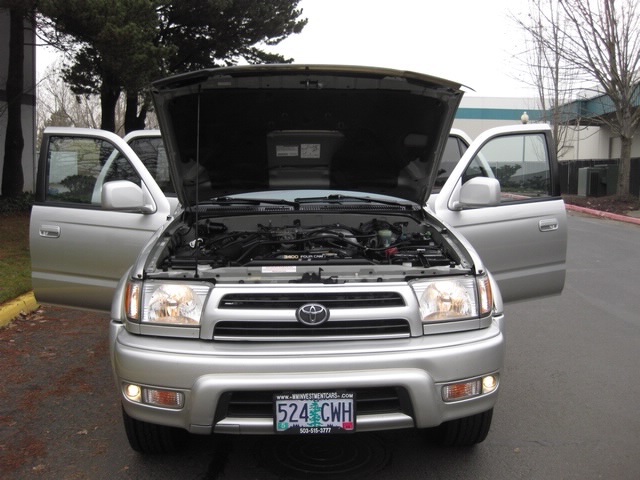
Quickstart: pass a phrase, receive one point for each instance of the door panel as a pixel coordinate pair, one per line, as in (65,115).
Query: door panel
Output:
(79,250)
(523,239)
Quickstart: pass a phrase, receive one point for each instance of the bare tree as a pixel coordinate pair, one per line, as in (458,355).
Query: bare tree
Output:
(58,106)
(607,46)
(602,42)
(551,75)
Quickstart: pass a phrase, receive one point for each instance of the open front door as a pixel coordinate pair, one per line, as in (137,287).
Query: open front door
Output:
(84,234)
(504,197)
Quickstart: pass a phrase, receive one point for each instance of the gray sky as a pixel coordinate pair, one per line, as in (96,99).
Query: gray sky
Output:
(473,42)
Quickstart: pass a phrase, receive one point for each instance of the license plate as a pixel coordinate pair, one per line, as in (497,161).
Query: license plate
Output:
(315,413)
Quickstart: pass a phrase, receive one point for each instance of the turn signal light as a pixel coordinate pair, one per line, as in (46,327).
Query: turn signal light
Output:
(163,398)
(460,391)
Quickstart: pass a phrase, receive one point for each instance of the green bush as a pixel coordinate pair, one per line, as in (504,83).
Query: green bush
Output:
(15,264)
(20,204)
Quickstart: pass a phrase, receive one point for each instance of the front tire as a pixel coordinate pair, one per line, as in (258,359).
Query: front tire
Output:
(463,432)
(150,438)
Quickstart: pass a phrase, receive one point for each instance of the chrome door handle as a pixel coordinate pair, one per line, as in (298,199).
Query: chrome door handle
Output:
(548,225)
(49,231)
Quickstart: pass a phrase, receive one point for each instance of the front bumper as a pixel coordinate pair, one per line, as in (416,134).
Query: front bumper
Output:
(210,373)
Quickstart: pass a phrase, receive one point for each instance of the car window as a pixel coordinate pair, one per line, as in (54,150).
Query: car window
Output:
(478,167)
(519,162)
(453,151)
(78,167)
(154,156)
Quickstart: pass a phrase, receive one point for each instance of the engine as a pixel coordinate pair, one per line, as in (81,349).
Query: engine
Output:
(376,242)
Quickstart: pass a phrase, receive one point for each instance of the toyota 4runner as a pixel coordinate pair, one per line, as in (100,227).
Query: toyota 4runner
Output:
(303,266)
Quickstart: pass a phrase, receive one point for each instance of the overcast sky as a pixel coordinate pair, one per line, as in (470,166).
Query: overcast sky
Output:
(473,42)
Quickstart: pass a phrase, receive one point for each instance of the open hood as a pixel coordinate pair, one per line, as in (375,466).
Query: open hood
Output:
(281,127)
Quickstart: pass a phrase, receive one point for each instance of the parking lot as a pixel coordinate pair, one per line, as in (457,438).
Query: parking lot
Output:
(568,407)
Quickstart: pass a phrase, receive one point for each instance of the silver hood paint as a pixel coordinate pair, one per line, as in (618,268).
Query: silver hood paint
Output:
(280,127)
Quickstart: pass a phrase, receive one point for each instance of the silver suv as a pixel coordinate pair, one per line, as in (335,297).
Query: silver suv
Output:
(296,276)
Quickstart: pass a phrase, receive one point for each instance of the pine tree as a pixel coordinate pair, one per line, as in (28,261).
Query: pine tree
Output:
(315,415)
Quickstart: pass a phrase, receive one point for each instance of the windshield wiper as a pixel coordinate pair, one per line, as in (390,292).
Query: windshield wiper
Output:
(341,199)
(248,201)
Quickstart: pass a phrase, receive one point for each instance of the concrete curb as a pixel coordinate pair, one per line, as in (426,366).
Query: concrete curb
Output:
(598,213)
(23,304)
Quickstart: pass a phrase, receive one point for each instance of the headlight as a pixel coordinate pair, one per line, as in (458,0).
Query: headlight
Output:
(453,298)
(166,303)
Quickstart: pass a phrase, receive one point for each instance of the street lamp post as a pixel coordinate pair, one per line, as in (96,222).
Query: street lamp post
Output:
(524,118)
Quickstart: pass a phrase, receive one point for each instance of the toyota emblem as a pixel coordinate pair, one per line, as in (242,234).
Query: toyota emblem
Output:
(312,314)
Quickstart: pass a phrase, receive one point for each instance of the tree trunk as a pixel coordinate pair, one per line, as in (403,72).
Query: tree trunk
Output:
(12,175)
(109,95)
(132,119)
(624,168)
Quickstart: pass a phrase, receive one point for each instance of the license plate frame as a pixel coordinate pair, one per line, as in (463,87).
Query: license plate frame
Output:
(314,413)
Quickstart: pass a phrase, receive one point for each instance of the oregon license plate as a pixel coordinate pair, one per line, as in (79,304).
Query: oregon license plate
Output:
(315,413)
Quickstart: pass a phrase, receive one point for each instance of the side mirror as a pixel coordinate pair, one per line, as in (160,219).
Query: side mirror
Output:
(122,195)
(479,192)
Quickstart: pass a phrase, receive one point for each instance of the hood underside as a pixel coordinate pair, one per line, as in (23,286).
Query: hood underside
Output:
(282,127)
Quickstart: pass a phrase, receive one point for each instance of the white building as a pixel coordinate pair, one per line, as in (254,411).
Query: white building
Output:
(477,114)
(586,140)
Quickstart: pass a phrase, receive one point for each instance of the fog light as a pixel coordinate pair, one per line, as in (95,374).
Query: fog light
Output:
(133,393)
(489,383)
(163,398)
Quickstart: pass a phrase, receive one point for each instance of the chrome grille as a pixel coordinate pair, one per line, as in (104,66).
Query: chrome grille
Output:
(294,300)
(294,331)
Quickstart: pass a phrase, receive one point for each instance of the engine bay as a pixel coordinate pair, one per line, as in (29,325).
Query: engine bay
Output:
(374,242)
